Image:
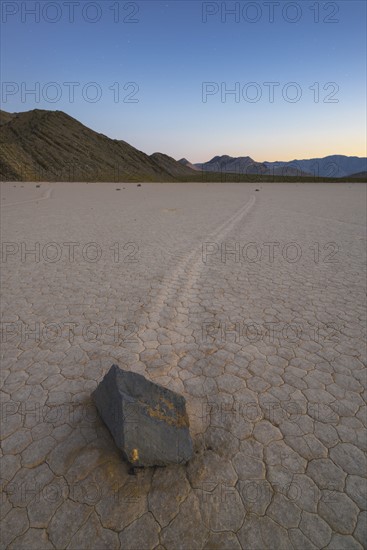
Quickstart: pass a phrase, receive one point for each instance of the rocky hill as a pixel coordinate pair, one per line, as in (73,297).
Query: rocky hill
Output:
(52,146)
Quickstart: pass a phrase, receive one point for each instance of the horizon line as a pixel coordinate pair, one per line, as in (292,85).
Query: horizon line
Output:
(184,157)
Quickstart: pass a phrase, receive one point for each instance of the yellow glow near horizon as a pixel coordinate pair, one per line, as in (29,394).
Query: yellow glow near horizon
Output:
(272,152)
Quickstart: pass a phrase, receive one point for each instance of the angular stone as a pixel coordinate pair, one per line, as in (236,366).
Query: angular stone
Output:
(148,422)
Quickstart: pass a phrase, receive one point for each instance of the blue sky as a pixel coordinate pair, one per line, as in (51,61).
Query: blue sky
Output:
(167,57)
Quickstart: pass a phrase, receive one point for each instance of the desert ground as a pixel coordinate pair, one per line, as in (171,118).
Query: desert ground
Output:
(249,300)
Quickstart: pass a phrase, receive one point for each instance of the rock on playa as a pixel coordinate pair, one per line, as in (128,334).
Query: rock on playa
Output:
(148,422)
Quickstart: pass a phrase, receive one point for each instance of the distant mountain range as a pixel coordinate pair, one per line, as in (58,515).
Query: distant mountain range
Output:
(335,166)
(359,175)
(44,145)
(188,164)
(53,146)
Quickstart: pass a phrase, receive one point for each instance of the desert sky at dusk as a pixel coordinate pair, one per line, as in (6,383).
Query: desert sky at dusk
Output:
(175,63)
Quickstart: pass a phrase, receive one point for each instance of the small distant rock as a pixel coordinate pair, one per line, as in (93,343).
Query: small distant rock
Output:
(257,189)
(139,185)
(118,189)
(148,422)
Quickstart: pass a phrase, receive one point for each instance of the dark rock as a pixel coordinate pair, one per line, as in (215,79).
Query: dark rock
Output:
(148,422)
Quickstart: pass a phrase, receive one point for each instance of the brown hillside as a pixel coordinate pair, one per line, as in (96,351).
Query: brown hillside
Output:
(52,146)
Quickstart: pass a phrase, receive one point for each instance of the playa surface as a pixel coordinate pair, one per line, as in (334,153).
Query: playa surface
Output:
(250,303)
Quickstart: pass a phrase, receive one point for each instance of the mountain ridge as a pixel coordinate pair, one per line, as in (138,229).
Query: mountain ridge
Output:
(332,166)
(54,146)
(246,166)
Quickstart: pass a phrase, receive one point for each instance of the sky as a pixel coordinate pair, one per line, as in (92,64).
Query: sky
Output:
(273,80)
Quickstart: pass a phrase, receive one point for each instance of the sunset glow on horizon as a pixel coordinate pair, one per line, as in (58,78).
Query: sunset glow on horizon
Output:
(198,79)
